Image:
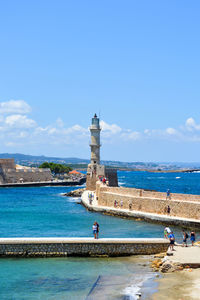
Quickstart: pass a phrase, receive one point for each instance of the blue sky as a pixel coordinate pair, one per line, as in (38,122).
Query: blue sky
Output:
(135,62)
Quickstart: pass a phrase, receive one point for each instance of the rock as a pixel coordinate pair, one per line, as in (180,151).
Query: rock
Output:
(160,255)
(75,193)
(170,267)
(156,264)
(166,267)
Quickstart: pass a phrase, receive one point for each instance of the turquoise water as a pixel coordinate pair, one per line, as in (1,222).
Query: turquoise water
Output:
(44,212)
(71,278)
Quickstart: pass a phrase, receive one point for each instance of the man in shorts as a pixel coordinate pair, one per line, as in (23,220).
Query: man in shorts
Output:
(172,241)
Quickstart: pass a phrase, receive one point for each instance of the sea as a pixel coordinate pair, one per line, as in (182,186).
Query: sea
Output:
(46,212)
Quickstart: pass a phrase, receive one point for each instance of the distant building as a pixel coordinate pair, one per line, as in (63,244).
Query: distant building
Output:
(95,170)
(11,173)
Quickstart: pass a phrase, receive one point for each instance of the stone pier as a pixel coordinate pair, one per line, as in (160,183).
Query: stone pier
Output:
(63,247)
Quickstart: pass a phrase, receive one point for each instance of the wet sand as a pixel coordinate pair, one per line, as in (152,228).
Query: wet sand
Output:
(182,285)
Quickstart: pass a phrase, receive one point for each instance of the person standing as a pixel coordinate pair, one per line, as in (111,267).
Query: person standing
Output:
(97,229)
(94,229)
(168,195)
(192,237)
(172,241)
(185,237)
(168,209)
(121,203)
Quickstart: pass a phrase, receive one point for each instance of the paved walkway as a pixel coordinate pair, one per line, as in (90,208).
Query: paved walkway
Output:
(137,214)
(186,255)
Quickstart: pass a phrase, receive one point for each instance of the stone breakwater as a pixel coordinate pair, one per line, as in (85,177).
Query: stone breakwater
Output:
(63,247)
(45,183)
(138,215)
(145,205)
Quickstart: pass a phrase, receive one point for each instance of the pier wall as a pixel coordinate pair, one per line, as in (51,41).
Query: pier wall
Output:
(35,175)
(181,205)
(58,247)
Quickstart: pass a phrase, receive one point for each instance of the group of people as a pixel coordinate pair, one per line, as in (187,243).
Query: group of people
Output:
(103,180)
(168,234)
(186,236)
(95,229)
(117,205)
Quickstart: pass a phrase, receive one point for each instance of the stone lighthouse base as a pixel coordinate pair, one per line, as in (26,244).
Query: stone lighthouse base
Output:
(95,172)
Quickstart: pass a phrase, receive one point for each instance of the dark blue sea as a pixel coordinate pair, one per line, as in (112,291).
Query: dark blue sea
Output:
(45,212)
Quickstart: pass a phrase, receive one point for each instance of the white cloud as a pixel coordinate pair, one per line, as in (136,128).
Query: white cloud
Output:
(131,135)
(171,131)
(15,107)
(113,128)
(19,121)
(191,124)
(17,130)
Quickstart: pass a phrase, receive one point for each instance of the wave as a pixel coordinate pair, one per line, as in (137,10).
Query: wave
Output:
(121,183)
(178,177)
(74,199)
(154,178)
(133,292)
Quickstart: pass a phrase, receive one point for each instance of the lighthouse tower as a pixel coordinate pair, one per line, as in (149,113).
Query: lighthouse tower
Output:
(95,170)
(95,141)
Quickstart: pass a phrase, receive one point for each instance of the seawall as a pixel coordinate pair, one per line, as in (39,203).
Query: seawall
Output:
(45,183)
(63,247)
(146,205)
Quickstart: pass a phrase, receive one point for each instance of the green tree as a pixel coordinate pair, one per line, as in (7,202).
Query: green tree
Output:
(56,168)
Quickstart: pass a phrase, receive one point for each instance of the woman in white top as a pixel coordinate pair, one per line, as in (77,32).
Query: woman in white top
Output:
(94,228)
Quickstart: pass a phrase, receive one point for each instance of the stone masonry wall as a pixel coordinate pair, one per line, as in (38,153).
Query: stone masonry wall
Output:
(13,175)
(186,206)
(81,249)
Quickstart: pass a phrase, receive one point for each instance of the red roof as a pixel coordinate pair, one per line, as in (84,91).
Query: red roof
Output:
(74,172)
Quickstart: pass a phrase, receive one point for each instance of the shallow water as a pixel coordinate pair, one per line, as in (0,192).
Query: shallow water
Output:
(44,212)
(72,278)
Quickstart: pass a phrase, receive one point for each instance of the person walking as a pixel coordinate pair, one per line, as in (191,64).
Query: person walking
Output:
(94,229)
(185,237)
(192,237)
(172,241)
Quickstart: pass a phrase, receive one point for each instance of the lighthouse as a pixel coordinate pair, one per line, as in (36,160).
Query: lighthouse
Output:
(95,141)
(95,170)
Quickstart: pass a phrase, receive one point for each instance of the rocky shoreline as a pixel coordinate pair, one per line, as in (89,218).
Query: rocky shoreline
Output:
(76,193)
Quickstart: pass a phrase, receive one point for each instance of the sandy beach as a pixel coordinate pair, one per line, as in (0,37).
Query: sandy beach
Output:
(182,285)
